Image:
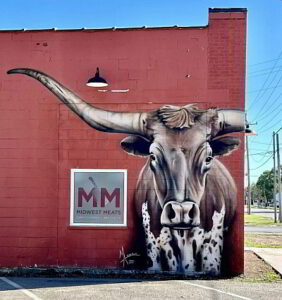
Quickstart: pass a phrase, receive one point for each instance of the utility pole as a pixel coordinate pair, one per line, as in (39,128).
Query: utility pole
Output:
(249,132)
(249,184)
(279,177)
(274,179)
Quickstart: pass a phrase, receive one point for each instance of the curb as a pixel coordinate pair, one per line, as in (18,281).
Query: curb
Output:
(84,272)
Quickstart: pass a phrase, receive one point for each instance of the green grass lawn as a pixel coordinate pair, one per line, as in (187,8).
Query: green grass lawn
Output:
(263,240)
(259,220)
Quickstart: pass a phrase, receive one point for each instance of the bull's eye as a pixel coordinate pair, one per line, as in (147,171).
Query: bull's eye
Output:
(209,159)
(153,161)
(206,164)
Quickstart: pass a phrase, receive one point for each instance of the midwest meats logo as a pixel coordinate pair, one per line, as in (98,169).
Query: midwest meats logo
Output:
(100,199)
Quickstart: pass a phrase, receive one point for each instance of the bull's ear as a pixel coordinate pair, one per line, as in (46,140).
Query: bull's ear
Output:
(136,145)
(224,145)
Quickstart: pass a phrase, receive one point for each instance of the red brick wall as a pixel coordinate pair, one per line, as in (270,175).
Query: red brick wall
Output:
(40,140)
(226,80)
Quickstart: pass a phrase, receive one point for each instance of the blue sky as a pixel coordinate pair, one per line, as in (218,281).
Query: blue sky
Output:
(264,90)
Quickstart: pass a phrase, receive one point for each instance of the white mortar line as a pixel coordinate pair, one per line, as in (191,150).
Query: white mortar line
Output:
(216,290)
(20,288)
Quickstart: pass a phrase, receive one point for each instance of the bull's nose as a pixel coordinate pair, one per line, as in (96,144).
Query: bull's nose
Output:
(180,215)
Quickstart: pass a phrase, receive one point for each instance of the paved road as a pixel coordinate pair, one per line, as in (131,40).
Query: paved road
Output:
(264,229)
(69,288)
(263,212)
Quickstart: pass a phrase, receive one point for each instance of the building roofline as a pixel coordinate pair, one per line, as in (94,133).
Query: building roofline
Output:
(106,29)
(224,10)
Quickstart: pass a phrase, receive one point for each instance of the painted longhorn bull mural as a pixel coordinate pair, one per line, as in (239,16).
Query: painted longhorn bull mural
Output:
(185,198)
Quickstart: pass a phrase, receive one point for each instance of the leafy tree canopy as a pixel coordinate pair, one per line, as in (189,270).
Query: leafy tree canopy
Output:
(265,184)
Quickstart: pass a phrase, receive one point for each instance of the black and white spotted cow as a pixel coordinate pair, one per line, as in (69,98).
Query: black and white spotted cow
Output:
(185,198)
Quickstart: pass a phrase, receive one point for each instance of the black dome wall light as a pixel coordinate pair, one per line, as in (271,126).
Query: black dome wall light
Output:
(97,81)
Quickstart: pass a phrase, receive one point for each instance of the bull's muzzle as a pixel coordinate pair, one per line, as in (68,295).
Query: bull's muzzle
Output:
(180,215)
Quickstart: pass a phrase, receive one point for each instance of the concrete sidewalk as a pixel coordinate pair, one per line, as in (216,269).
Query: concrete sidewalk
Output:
(272,256)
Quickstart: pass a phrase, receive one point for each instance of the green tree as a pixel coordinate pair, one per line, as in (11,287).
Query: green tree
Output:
(257,195)
(265,185)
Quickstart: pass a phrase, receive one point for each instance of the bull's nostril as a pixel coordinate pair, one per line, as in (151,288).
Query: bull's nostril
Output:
(170,212)
(192,212)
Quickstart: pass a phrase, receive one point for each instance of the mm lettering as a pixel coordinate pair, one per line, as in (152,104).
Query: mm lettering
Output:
(105,195)
(83,195)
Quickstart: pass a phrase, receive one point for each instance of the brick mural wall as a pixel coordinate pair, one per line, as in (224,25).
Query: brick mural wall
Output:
(41,140)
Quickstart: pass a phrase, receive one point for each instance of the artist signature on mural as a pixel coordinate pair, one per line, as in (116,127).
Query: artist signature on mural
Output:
(126,259)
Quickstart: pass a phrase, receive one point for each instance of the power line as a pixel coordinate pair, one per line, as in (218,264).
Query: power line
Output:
(274,117)
(264,62)
(256,142)
(265,116)
(260,153)
(263,153)
(262,74)
(263,163)
(269,88)
(261,109)
(259,149)
(268,144)
(269,75)
(272,87)
(259,160)
(263,147)
(279,129)
(271,127)
(262,70)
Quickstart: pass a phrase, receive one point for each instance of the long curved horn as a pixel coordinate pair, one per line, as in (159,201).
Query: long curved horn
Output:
(230,120)
(103,120)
